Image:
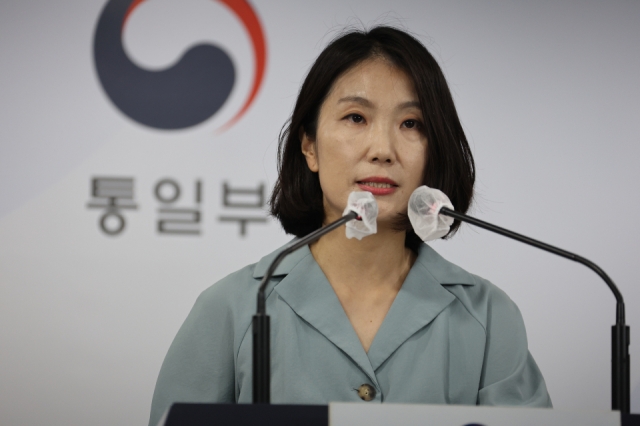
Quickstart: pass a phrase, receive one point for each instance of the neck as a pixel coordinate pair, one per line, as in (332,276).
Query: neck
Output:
(377,261)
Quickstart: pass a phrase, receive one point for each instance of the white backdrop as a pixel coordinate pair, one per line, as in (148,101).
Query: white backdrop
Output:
(547,92)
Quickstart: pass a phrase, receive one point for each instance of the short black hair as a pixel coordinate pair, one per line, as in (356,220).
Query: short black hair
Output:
(297,200)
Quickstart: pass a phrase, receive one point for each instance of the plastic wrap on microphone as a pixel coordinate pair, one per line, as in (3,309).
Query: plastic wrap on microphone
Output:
(365,205)
(424,205)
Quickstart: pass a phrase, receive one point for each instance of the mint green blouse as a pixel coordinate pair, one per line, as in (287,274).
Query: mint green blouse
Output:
(450,337)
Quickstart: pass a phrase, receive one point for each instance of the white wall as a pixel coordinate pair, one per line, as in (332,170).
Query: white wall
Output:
(548,95)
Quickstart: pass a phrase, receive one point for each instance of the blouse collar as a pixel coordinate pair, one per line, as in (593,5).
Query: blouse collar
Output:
(421,298)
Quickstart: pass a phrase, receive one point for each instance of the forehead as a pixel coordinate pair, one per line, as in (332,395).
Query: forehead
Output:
(374,78)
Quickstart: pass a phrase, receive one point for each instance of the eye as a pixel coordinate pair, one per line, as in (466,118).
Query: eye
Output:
(412,124)
(356,118)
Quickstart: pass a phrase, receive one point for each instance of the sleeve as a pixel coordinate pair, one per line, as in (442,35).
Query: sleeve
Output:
(199,366)
(510,376)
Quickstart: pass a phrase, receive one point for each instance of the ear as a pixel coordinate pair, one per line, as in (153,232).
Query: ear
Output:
(310,152)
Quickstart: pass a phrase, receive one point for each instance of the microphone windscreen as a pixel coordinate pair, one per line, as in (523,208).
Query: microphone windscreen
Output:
(424,205)
(365,205)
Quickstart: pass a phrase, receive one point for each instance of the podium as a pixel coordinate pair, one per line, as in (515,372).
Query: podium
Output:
(350,414)
(245,414)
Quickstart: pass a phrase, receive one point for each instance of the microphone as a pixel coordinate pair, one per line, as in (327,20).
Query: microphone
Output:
(361,206)
(431,214)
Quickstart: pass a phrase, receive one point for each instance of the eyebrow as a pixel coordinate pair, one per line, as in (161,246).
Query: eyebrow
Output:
(367,103)
(410,104)
(357,99)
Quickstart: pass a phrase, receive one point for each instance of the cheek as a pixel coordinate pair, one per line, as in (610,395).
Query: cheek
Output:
(337,152)
(334,166)
(415,163)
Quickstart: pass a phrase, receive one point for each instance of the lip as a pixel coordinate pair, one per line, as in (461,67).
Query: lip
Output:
(377,191)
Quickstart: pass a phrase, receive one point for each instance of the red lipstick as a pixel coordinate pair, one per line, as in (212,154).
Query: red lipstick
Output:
(378,185)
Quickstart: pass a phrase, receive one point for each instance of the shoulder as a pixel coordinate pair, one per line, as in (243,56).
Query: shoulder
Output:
(481,298)
(235,295)
(510,375)
(226,307)
(232,291)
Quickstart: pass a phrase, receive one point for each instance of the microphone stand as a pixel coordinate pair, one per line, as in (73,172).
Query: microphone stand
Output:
(620,394)
(261,326)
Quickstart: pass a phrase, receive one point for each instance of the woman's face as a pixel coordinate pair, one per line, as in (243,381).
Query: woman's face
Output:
(369,139)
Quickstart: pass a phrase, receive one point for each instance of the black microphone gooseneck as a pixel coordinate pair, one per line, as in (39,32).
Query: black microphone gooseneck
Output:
(261,327)
(620,372)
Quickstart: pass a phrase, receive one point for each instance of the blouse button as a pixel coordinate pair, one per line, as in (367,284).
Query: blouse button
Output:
(366,392)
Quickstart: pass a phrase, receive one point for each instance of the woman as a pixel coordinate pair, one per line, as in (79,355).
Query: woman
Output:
(381,319)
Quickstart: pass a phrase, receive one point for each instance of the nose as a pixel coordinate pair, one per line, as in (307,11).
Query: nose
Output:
(381,147)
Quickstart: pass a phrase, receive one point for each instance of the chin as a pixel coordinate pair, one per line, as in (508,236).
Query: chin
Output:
(389,220)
